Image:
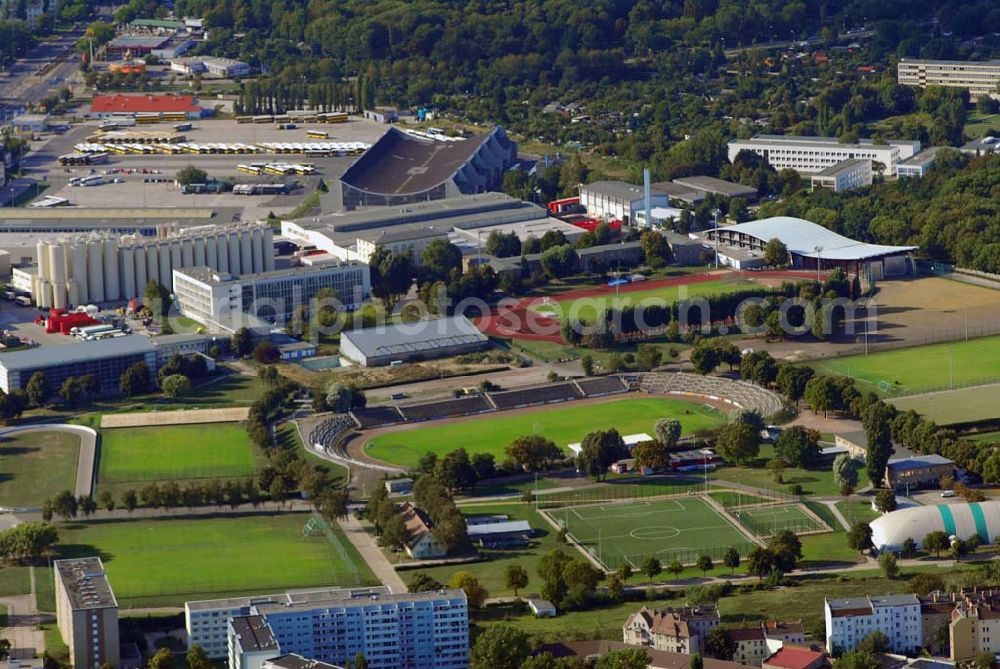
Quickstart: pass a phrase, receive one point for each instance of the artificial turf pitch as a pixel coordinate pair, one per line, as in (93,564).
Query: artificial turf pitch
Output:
(563,424)
(767,521)
(163,562)
(670,529)
(138,455)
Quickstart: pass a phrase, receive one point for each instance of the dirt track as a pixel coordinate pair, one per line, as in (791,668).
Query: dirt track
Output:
(188,417)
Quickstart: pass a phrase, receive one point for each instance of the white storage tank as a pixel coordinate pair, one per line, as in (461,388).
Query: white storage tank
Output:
(42,255)
(211,257)
(176,255)
(126,256)
(57,262)
(187,252)
(95,273)
(199,251)
(59,294)
(246,252)
(73,291)
(268,244)
(141,270)
(234,253)
(78,269)
(152,267)
(222,251)
(257,239)
(112,280)
(164,274)
(44,297)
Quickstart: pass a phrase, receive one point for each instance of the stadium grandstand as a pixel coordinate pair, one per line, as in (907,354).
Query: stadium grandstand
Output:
(460,406)
(740,394)
(369,418)
(809,246)
(407,167)
(526,397)
(329,432)
(600,386)
(961,520)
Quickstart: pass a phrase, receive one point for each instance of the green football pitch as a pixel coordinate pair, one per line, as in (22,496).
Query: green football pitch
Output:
(921,368)
(670,529)
(769,520)
(134,456)
(587,308)
(163,562)
(564,424)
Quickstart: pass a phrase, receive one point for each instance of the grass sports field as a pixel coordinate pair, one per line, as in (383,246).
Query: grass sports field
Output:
(563,424)
(150,561)
(921,368)
(134,456)
(587,308)
(670,529)
(769,520)
(955,406)
(37,465)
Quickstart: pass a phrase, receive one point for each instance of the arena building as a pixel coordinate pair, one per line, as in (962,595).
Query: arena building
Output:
(809,246)
(436,338)
(407,167)
(961,520)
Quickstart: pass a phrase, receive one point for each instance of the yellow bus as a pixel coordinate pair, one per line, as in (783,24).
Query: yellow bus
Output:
(248,169)
(317,134)
(244,119)
(145,119)
(173,116)
(333,117)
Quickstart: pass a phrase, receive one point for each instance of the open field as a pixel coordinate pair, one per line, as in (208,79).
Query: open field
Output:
(150,561)
(818,481)
(563,424)
(671,529)
(35,466)
(986,437)
(767,521)
(134,456)
(977,125)
(955,406)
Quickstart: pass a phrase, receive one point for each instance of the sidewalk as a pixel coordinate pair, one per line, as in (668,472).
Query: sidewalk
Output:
(372,554)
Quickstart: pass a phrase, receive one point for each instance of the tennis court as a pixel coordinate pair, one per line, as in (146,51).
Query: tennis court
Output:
(767,521)
(670,529)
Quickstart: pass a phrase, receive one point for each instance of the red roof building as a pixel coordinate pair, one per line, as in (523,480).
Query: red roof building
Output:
(105,105)
(791,657)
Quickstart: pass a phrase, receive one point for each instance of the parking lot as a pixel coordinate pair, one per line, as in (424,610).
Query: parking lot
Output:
(20,321)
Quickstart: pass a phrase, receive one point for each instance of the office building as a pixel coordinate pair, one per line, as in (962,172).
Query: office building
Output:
(918,165)
(845,175)
(617,200)
(848,621)
(86,612)
(979,78)
(432,338)
(676,630)
(918,471)
(428,630)
(105,358)
(224,302)
(406,240)
(809,155)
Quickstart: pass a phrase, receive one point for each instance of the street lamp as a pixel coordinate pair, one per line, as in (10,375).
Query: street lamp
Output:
(715,216)
(819,260)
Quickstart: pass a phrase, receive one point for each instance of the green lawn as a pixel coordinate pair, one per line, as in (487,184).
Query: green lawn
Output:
(587,308)
(978,124)
(813,481)
(45,589)
(35,466)
(985,437)
(854,510)
(164,562)
(563,424)
(549,351)
(671,529)
(955,406)
(921,368)
(14,580)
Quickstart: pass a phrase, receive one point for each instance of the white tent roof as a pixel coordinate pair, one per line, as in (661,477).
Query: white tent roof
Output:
(803,237)
(961,520)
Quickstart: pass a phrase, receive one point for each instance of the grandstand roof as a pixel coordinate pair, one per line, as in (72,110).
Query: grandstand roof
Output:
(425,335)
(803,237)
(400,163)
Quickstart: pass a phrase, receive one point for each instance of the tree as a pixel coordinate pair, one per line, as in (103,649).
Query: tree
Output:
(163,659)
(705,358)
(533,452)
(559,261)
(885,501)
(266,353)
(360,661)
(652,454)
(455,471)
(705,563)
(799,446)
(599,450)
(107,500)
(625,572)
(394,533)
(775,253)
(909,547)
(625,658)
(860,537)
(503,244)
(587,361)
(924,584)
(392,274)
(935,542)
(876,423)
(515,577)
(543,661)
(655,249)
(777,468)
(71,391)
(738,442)
(130,500)
(134,380)
(760,562)
(792,379)
(786,549)
(648,357)
(65,505)
(675,568)
(731,559)
(191,175)
(887,563)
(984,660)
(696,662)
(440,257)
(500,647)
(551,568)
(37,390)
(821,394)
(242,342)
(853,659)
(652,567)
(668,432)
(845,473)
(474,592)
(421,582)
(176,385)
(720,645)
(196,658)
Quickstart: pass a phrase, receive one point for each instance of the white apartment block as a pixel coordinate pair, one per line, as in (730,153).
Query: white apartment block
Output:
(848,621)
(979,78)
(809,155)
(845,175)
(428,630)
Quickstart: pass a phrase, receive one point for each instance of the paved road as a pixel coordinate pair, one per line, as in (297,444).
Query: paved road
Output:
(372,554)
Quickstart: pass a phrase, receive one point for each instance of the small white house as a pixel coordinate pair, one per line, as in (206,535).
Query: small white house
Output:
(541,608)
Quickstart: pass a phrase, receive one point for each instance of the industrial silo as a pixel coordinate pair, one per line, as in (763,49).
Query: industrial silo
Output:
(176,255)
(141,270)
(211,257)
(44,297)
(95,270)
(222,251)
(57,262)
(234,252)
(187,252)
(42,255)
(73,291)
(126,256)
(268,246)
(112,280)
(199,251)
(164,274)
(256,239)
(59,294)
(78,269)
(152,266)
